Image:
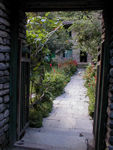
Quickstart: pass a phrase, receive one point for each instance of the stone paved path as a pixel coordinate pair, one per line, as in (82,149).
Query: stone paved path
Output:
(68,126)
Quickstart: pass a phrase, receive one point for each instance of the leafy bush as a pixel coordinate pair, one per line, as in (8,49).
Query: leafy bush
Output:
(35,118)
(55,82)
(69,67)
(52,86)
(90,83)
(38,112)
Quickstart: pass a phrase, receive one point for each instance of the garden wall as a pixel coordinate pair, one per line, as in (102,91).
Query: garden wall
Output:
(10,34)
(5,49)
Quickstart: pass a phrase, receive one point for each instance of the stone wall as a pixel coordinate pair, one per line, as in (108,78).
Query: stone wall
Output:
(105,129)
(109,38)
(4,74)
(76,52)
(6,50)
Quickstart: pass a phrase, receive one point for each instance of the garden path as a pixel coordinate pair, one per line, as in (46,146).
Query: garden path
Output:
(68,126)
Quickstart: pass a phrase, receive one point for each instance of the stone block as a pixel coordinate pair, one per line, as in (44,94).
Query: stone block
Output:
(6,113)
(4,79)
(6,85)
(111,106)
(6,127)
(1,116)
(4,92)
(2,6)
(2,57)
(5,22)
(111,124)
(1,73)
(6,98)
(6,120)
(7,57)
(7,65)
(3,66)
(1,123)
(2,13)
(2,27)
(2,107)
(5,41)
(1,86)
(5,49)
(111,72)
(111,115)
(6,73)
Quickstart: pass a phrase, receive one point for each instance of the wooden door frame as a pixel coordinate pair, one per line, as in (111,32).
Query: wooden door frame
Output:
(13,77)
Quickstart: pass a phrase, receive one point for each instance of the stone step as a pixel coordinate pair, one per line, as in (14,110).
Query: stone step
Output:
(60,131)
(82,65)
(68,126)
(53,140)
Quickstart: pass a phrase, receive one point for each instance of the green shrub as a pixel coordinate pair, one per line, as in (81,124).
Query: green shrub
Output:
(90,83)
(54,82)
(69,67)
(46,108)
(91,102)
(35,117)
(52,86)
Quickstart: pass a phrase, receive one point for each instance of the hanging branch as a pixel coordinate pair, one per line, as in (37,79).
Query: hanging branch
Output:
(48,37)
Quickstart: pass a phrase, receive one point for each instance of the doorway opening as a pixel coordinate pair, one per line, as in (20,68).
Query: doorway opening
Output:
(50,73)
(83,56)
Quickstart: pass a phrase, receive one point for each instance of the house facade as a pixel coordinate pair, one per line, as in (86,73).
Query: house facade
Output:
(73,53)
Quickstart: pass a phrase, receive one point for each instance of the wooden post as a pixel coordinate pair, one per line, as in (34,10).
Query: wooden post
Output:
(13,76)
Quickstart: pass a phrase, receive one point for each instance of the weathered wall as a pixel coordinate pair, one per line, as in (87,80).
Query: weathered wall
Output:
(18,38)
(76,52)
(9,48)
(6,50)
(108,36)
(4,74)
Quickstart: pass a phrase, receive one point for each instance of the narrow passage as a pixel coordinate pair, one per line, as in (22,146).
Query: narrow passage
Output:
(68,126)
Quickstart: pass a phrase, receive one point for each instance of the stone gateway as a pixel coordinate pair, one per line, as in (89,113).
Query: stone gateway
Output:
(12,43)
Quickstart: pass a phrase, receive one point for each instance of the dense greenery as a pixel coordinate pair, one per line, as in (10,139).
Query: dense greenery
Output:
(90,83)
(46,36)
(53,85)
